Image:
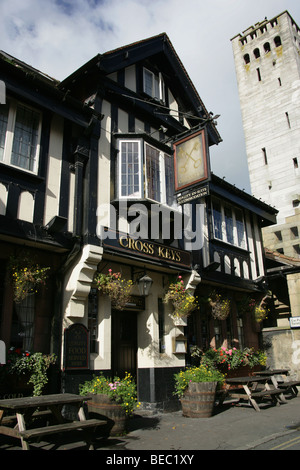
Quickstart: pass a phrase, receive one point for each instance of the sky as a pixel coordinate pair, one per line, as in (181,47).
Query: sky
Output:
(59,36)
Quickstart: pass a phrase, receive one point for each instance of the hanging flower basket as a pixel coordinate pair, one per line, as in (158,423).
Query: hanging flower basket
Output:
(261,310)
(220,306)
(118,289)
(27,276)
(183,302)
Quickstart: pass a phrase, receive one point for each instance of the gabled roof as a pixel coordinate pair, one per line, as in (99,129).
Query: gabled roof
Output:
(28,82)
(160,51)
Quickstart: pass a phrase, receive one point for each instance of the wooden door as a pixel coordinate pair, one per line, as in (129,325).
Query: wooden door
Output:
(124,343)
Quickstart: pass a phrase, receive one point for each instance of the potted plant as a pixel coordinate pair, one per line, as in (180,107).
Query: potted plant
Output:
(27,371)
(232,361)
(196,387)
(27,276)
(220,306)
(183,302)
(118,289)
(113,399)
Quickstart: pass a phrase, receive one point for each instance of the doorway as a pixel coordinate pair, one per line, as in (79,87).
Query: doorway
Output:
(124,343)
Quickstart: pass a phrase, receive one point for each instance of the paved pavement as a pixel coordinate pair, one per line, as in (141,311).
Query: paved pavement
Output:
(231,428)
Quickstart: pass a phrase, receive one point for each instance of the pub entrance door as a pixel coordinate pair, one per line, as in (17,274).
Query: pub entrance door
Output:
(124,343)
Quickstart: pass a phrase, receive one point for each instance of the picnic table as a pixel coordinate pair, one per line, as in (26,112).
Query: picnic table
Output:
(280,380)
(250,391)
(26,408)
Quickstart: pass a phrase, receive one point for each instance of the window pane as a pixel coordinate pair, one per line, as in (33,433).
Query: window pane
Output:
(25,138)
(229,224)
(169,176)
(240,228)
(153,173)
(130,174)
(148,82)
(23,323)
(3,127)
(217,214)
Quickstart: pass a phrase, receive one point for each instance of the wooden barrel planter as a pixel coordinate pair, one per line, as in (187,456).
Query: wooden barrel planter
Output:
(107,409)
(199,399)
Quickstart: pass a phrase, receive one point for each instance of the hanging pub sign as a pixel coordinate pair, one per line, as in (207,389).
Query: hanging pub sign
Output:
(76,347)
(190,160)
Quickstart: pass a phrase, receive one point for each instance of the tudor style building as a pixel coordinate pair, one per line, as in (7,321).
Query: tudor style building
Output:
(116,175)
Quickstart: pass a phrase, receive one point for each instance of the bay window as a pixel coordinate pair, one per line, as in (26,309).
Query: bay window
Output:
(144,171)
(228,223)
(19,136)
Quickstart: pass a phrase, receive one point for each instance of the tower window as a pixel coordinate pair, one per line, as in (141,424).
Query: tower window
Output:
(297,249)
(256,53)
(294,233)
(288,119)
(295,162)
(265,155)
(279,81)
(277,41)
(267,47)
(246,58)
(258,75)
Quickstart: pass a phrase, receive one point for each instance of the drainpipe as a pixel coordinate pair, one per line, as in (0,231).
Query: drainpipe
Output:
(81,156)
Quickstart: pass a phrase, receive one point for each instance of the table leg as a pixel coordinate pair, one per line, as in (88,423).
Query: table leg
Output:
(22,427)
(252,401)
(56,411)
(275,384)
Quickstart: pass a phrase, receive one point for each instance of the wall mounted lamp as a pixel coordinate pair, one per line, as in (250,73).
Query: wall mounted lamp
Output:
(143,281)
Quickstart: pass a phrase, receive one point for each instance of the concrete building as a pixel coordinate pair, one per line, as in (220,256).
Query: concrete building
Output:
(267,62)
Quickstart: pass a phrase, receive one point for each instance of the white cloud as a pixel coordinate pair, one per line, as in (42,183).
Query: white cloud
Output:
(58,36)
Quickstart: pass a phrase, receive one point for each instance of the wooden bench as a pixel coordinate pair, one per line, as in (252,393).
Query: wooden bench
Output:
(92,424)
(289,386)
(265,393)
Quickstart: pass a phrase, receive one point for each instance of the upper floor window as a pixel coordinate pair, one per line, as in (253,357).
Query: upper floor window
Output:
(19,136)
(228,223)
(153,85)
(144,172)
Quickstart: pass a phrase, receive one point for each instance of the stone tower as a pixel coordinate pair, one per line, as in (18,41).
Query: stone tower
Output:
(267,62)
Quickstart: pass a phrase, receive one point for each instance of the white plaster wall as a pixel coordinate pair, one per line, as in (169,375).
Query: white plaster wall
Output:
(104,196)
(26,206)
(3,199)
(54,169)
(130,78)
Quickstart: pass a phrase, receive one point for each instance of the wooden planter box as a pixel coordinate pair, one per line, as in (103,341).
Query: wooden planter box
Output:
(242,371)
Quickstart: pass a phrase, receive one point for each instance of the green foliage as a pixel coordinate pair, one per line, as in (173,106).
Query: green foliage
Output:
(203,373)
(27,276)
(183,302)
(122,391)
(118,289)
(36,364)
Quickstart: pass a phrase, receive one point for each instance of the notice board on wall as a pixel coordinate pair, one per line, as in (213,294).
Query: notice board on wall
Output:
(76,347)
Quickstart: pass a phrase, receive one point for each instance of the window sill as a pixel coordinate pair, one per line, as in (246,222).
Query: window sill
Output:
(147,202)
(229,246)
(19,172)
